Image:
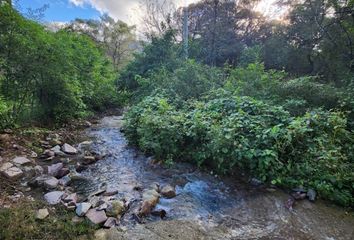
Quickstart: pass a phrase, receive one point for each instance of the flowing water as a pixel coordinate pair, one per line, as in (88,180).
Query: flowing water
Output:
(206,207)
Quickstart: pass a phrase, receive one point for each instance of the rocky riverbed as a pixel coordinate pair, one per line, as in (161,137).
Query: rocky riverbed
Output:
(130,196)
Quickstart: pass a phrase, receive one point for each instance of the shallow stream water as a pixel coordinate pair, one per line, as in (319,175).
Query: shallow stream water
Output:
(206,207)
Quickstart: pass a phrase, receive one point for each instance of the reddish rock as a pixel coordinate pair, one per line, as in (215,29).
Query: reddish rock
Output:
(96,217)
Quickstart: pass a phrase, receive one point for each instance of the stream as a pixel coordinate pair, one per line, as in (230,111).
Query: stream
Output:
(206,206)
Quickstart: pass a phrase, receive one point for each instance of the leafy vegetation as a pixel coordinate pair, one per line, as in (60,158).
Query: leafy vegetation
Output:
(48,76)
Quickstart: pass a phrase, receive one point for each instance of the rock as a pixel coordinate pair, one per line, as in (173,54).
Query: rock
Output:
(87,160)
(39,170)
(51,183)
(77,219)
(42,214)
(150,200)
(94,201)
(53,198)
(19,161)
(82,208)
(159,213)
(70,206)
(65,181)
(102,207)
(155,186)
(57,151)
(298,195)
(115,209)
(299,189)
(96,217)
(54,169)
(110,192)
(69,149)
(48,153)
(87,124)
(71,198)
(168,191)
(80,168)
(13,173)
(111,222)
(256,182)
(85,146)
(6,166)
(1,159)
(311,194)
(63,172)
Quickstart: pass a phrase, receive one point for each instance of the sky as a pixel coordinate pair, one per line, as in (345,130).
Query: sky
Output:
(126,10)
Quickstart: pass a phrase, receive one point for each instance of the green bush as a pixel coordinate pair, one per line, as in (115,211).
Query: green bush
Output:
(229,133)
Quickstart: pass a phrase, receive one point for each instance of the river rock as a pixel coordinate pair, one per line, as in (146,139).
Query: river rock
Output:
(39,170)
(82,208)
(63,172)
(6,166)
(168,191)
(311,194)
(96,217)
(51,183)
(13,173)
(65,181)
(71,198)
(57,151)
(19,161)
(111,222)
(110,192)
(94,200)
(85,146)
(68,149)
(53,198)
(298,195)
(150,199)
(87,160)
(115,209)
(54,169)
(48,153)
(42,214)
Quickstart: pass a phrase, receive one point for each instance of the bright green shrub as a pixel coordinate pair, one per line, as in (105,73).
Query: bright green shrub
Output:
(229,133)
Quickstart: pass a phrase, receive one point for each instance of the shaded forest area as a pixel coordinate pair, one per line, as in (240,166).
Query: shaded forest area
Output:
(273,98)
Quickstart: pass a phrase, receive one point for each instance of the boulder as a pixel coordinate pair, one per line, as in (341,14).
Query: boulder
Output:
(53,198)
(115,209)
(48,153)
(82,208)
(68,149)
(51,183)
(54,169)
(57,151)
(168,191)
(96,217)
(42,214)
(19,161)
(39,170)
(13,173)
(94,200)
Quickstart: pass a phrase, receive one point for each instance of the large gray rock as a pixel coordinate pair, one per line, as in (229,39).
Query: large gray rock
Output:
(13,173)
(19,161)
(96,217)
(111,222)
(51,183)
(54,169)
(6,166)
(69,149)
(53,198)
(82,208)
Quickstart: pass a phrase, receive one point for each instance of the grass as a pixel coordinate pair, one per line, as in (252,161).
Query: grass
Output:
(19,222)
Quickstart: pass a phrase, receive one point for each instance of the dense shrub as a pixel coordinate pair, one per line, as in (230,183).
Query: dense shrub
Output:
(229,133)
